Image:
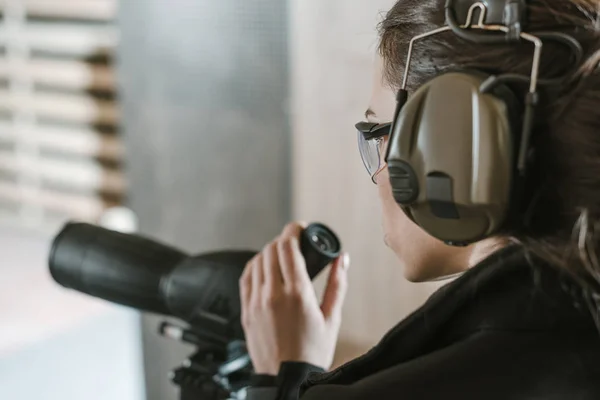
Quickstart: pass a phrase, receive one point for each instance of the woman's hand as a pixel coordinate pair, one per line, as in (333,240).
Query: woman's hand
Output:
(281,315)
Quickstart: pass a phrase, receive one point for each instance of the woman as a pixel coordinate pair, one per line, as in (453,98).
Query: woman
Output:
(521,320)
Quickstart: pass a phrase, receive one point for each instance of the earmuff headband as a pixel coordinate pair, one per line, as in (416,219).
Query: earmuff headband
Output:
(512,14)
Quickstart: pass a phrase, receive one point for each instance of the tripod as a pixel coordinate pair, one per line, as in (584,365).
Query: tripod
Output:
(216,371)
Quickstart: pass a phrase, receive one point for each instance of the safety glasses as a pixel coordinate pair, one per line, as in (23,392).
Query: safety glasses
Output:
(371,145)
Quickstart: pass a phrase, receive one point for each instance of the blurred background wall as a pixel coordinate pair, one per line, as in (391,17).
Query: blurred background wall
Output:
(215,122)
(204,93)
(333,45)
(60,157)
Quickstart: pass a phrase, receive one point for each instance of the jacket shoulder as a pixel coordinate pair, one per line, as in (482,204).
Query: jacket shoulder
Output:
(491,365)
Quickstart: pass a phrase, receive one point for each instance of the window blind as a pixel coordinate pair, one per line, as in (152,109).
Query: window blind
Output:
(61,156)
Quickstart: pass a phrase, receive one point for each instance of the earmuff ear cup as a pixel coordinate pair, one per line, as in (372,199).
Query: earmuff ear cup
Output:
(452,157)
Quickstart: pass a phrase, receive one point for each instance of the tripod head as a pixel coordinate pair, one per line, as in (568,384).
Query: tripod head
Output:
(214,372)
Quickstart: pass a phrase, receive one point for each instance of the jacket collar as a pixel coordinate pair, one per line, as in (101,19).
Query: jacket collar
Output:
(509,290)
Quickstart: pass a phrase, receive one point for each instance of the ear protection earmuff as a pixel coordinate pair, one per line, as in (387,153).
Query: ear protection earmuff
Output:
(459,145)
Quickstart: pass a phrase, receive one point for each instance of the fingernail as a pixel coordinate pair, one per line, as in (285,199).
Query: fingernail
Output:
(346,261)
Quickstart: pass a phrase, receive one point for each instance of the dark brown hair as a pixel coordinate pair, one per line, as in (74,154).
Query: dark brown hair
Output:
(565,210)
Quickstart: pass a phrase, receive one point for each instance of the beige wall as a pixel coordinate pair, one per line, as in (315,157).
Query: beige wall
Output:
(333,44)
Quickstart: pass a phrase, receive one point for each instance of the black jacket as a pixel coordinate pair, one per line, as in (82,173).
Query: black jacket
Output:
(509,328)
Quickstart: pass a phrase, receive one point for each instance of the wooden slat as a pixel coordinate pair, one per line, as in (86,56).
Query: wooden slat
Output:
(72,74)
(65,107)
(82,142)
(49,226)
(86,208)
(57,33)
(71,39)
(84,175)
(101,10)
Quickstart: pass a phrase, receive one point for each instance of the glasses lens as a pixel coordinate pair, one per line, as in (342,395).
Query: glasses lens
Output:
(369,152)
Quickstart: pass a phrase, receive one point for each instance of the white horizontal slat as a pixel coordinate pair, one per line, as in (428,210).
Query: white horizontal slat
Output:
(82,175)
(80,141)
(47,48)
(67,107)
(72,39)
(48,227)
(83,9)
(72,74)
(87,208)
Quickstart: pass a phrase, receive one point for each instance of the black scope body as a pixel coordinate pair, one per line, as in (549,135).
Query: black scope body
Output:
(139,272)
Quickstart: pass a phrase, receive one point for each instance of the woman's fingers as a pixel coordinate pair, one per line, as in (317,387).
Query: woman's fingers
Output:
(273,277)
(285,260)
(279,263)
(257,277)
(286,251)
(281,316)
(245,282)
(293,229)
(335,292)
(292,263)
(246,289)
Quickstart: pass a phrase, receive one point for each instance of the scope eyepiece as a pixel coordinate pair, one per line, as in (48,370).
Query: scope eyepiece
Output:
(320,246)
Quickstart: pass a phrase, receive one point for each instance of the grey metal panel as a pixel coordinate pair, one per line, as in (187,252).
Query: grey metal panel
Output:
(204,89)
